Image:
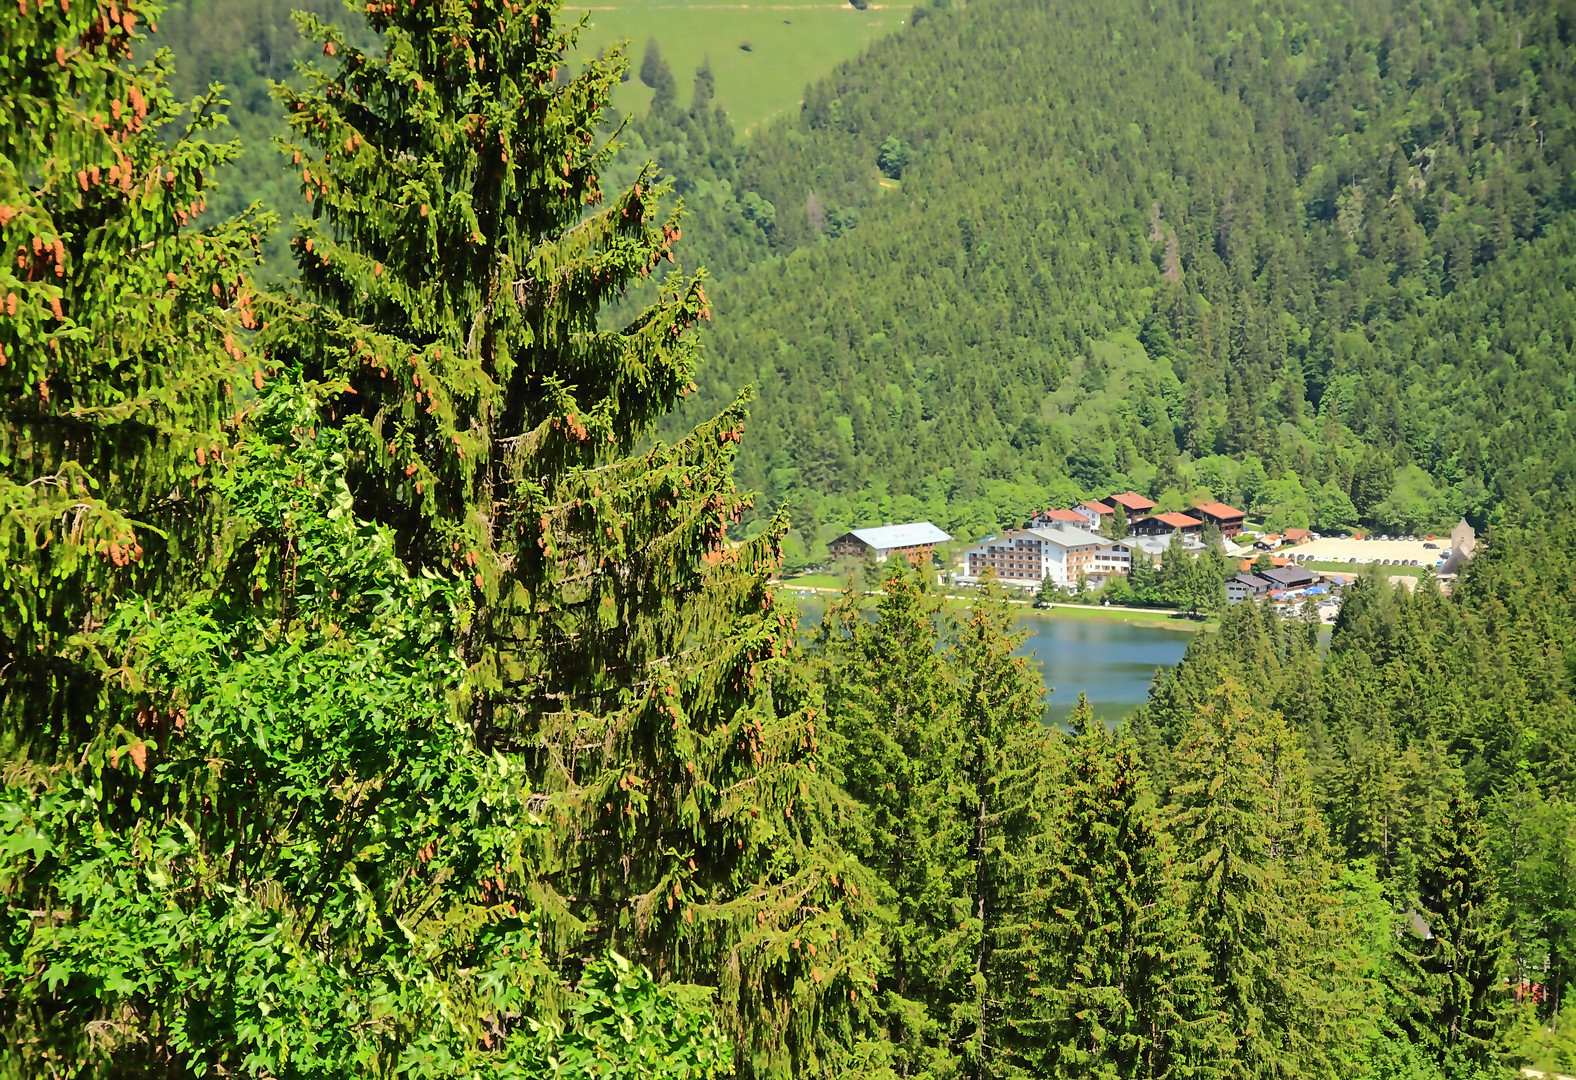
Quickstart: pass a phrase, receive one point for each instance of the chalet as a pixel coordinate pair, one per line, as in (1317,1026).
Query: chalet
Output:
(1133,502)
(1059,552)
(1047,518)
(1246,587)
(915,540)
(1165,525)
(1297,536)
(1225,518)
(1095,514)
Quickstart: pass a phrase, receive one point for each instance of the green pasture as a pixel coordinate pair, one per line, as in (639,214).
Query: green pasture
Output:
(791,44)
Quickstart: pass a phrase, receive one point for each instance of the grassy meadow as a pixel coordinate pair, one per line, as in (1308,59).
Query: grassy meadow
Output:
(790,44)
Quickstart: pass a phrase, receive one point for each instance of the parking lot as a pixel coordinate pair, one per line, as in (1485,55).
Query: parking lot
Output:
(1344,550)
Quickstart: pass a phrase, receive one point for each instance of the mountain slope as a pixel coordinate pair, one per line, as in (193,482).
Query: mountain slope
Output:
(1175,247)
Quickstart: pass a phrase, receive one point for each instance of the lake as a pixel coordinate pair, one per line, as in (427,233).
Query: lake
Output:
(1112,662)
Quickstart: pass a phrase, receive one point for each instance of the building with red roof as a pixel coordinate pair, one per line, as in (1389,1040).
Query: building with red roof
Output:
(1165,525)
(1133,501)
(1094,514)
(1068,517)
(1227,519)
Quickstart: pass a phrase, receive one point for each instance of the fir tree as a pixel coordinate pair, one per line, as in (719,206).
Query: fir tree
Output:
(1111,983)
(120,345)
(451,274)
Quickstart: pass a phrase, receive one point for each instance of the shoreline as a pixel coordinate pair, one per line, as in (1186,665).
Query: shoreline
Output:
(1154,618)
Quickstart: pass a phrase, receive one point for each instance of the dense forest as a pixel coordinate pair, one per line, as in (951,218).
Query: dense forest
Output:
(391,677)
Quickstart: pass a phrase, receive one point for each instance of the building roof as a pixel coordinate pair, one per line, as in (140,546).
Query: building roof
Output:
(1252,581)
(913,534)
(1133,501)
(1174,519)
(1067,536)
(1072,517)
(1296,536)
(1289,576)
(1159,545)
(1099,507)
(1217,509)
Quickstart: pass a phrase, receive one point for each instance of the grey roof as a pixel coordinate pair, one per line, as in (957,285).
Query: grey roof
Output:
(1252,581)
(1068,535)
(913,534)
(1157,545)
(1289,576)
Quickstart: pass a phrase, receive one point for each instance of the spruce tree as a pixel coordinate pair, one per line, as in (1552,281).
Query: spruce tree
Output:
(121,343)
(1004,765)
(1451,963)
(1110,982)
(1257,882)
(458,250)
(893,703)
(1119,523)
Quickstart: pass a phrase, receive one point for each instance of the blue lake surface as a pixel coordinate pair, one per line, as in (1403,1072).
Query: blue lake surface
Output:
(1112,662)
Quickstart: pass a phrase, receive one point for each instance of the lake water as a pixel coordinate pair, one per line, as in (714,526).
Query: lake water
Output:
(1112,662)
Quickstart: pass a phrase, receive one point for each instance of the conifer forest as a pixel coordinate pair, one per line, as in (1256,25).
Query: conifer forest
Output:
(401,448)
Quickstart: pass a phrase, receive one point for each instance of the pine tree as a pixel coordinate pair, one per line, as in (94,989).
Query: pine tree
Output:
(119,348)
(451,274)
(1452,965)
(1257,881)
(1005,780)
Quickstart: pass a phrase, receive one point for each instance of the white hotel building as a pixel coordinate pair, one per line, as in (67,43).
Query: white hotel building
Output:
(1060,552)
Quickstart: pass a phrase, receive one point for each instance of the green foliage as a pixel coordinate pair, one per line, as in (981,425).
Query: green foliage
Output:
(326,885)
(1451,983)
(1256,878)
(1003,765)
(451,277)
(1109,983)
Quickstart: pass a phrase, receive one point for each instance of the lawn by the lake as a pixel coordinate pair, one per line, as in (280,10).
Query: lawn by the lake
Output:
(790,45)
(1160,618)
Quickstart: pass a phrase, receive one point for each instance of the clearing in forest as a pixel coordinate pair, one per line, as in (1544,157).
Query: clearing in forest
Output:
(763,55)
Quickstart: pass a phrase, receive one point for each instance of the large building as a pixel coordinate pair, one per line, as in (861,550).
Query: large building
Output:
(1059,552)
(1289,577)
(916,540)
(1165,525)
(1225,518)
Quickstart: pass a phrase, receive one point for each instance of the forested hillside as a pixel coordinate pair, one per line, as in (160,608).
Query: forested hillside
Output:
(382,695)
(1262,254)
